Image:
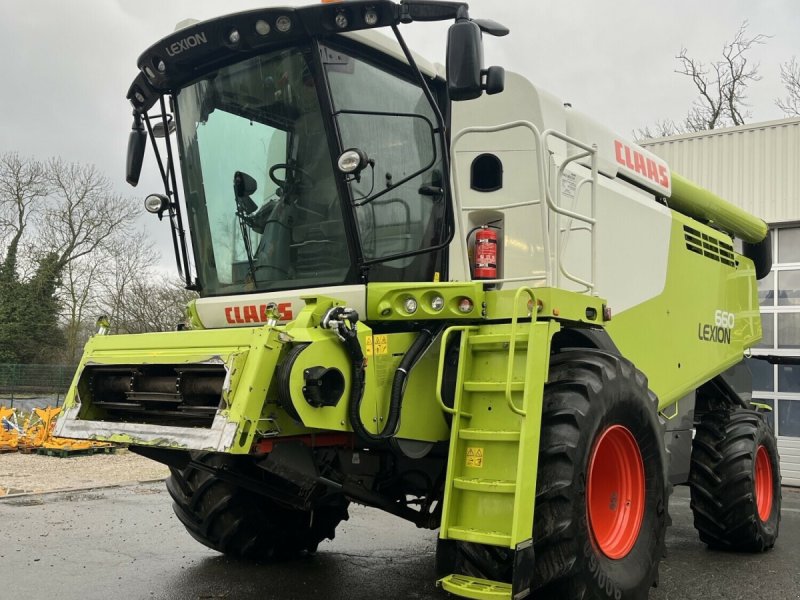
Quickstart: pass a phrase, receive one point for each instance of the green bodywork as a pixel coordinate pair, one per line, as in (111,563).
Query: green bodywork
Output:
(494,421)
(661,336)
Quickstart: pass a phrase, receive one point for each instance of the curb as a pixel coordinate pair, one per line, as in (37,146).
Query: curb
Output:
(82,489)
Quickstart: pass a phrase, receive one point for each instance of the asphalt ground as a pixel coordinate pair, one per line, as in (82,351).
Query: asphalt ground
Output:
(125,543)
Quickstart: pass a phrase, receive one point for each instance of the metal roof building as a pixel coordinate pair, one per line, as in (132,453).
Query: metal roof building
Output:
(757,167)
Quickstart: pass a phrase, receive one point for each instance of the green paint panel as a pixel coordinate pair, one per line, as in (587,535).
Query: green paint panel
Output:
(678,339)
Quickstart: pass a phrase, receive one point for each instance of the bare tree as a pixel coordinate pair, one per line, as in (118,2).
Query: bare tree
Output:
(662,128)
(131,260)
(84,211)
(23,187)
(153,303)
(79,302)
(722,87)
(790,77)
(722,84)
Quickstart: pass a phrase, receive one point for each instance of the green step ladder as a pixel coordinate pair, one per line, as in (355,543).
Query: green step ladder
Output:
(490,485)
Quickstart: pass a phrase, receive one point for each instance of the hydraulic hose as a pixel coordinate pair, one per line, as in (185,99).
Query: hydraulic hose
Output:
(343,321)
(414,353)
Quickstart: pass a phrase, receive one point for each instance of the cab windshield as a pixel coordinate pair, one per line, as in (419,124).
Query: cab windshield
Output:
(258,165)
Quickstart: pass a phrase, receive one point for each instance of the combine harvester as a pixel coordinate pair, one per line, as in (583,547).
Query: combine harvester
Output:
(407,276)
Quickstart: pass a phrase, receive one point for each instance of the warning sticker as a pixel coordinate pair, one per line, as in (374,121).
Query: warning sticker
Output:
(368,343)
(381,344)
(475,457)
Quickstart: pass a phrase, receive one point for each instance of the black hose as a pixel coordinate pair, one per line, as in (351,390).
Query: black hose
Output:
(414,353)
(337,318)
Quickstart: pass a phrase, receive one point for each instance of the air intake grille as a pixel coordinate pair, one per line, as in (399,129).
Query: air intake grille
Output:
(708,246)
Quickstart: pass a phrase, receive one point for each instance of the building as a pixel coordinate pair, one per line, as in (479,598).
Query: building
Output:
(757,167)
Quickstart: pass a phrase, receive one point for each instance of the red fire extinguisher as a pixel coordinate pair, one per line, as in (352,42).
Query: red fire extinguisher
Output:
(485,261)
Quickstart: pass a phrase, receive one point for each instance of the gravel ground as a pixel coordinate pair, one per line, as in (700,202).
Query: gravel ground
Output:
(21,473)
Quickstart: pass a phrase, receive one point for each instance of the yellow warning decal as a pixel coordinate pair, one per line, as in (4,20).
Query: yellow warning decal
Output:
(475,457)
(368,343)
(381,344)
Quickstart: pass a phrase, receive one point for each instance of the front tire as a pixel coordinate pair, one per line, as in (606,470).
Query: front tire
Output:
(241,523)
(601,499)
(735,481)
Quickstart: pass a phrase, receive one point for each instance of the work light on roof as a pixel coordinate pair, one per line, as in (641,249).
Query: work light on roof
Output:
(234,37)
(262,27)
(283,23)
(341,19)
(370,16)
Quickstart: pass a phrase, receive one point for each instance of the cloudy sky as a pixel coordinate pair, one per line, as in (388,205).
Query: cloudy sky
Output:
(67,64)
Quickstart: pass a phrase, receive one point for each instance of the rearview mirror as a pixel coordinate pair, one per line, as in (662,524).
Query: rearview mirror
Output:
(243,187)
(464,61)
(137,142)
(243,184)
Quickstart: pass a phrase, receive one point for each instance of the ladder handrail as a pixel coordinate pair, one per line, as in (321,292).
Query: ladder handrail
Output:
(589,151)
(440,371)
(512,348)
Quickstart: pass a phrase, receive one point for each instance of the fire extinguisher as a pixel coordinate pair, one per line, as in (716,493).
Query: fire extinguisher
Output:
(485,256)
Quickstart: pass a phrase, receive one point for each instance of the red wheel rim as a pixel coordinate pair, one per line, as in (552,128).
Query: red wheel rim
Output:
(763,484)
(615,493)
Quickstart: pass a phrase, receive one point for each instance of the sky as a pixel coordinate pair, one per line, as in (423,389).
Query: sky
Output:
(67,65)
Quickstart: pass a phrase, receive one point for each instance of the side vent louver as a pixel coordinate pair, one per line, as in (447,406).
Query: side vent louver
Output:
(708,246)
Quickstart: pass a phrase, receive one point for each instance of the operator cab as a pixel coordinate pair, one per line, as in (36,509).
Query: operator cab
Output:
(268,106)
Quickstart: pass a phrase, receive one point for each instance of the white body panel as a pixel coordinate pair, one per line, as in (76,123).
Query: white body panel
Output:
(246,310)
(632,231)
(618,155)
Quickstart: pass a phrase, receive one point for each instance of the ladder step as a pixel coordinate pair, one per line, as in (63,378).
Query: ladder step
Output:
(489,435)
(492,386)
(479,536)
(475,484)
(496,338)
(476,588)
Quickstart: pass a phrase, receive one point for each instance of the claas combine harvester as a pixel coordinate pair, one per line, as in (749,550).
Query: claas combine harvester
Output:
(407,274)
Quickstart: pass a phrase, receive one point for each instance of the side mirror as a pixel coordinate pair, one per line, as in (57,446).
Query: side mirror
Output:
(137,142)
(464,61)
(243,184)
(466,77)
(243,187)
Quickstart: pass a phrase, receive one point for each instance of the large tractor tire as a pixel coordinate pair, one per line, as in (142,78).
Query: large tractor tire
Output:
(602,493)
(735,481)
(241,523)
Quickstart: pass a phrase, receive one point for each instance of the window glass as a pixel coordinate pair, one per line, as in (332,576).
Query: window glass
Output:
(769,415)
(789,330)
(789,245)
(261,118)
(767,331)
(789,378)
(766,290)
(789,418)
(390,119)
(763,377)
(788,288)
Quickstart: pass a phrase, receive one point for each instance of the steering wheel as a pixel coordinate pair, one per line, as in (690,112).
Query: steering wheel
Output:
(298,175)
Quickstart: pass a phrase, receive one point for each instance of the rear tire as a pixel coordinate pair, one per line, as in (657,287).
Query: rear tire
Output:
(735,481)
(240,523)
(602,493)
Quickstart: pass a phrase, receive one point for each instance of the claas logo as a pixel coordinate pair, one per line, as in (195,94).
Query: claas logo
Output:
(252,313)
(641,164)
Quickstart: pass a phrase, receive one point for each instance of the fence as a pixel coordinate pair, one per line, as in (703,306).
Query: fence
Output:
(34,386)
